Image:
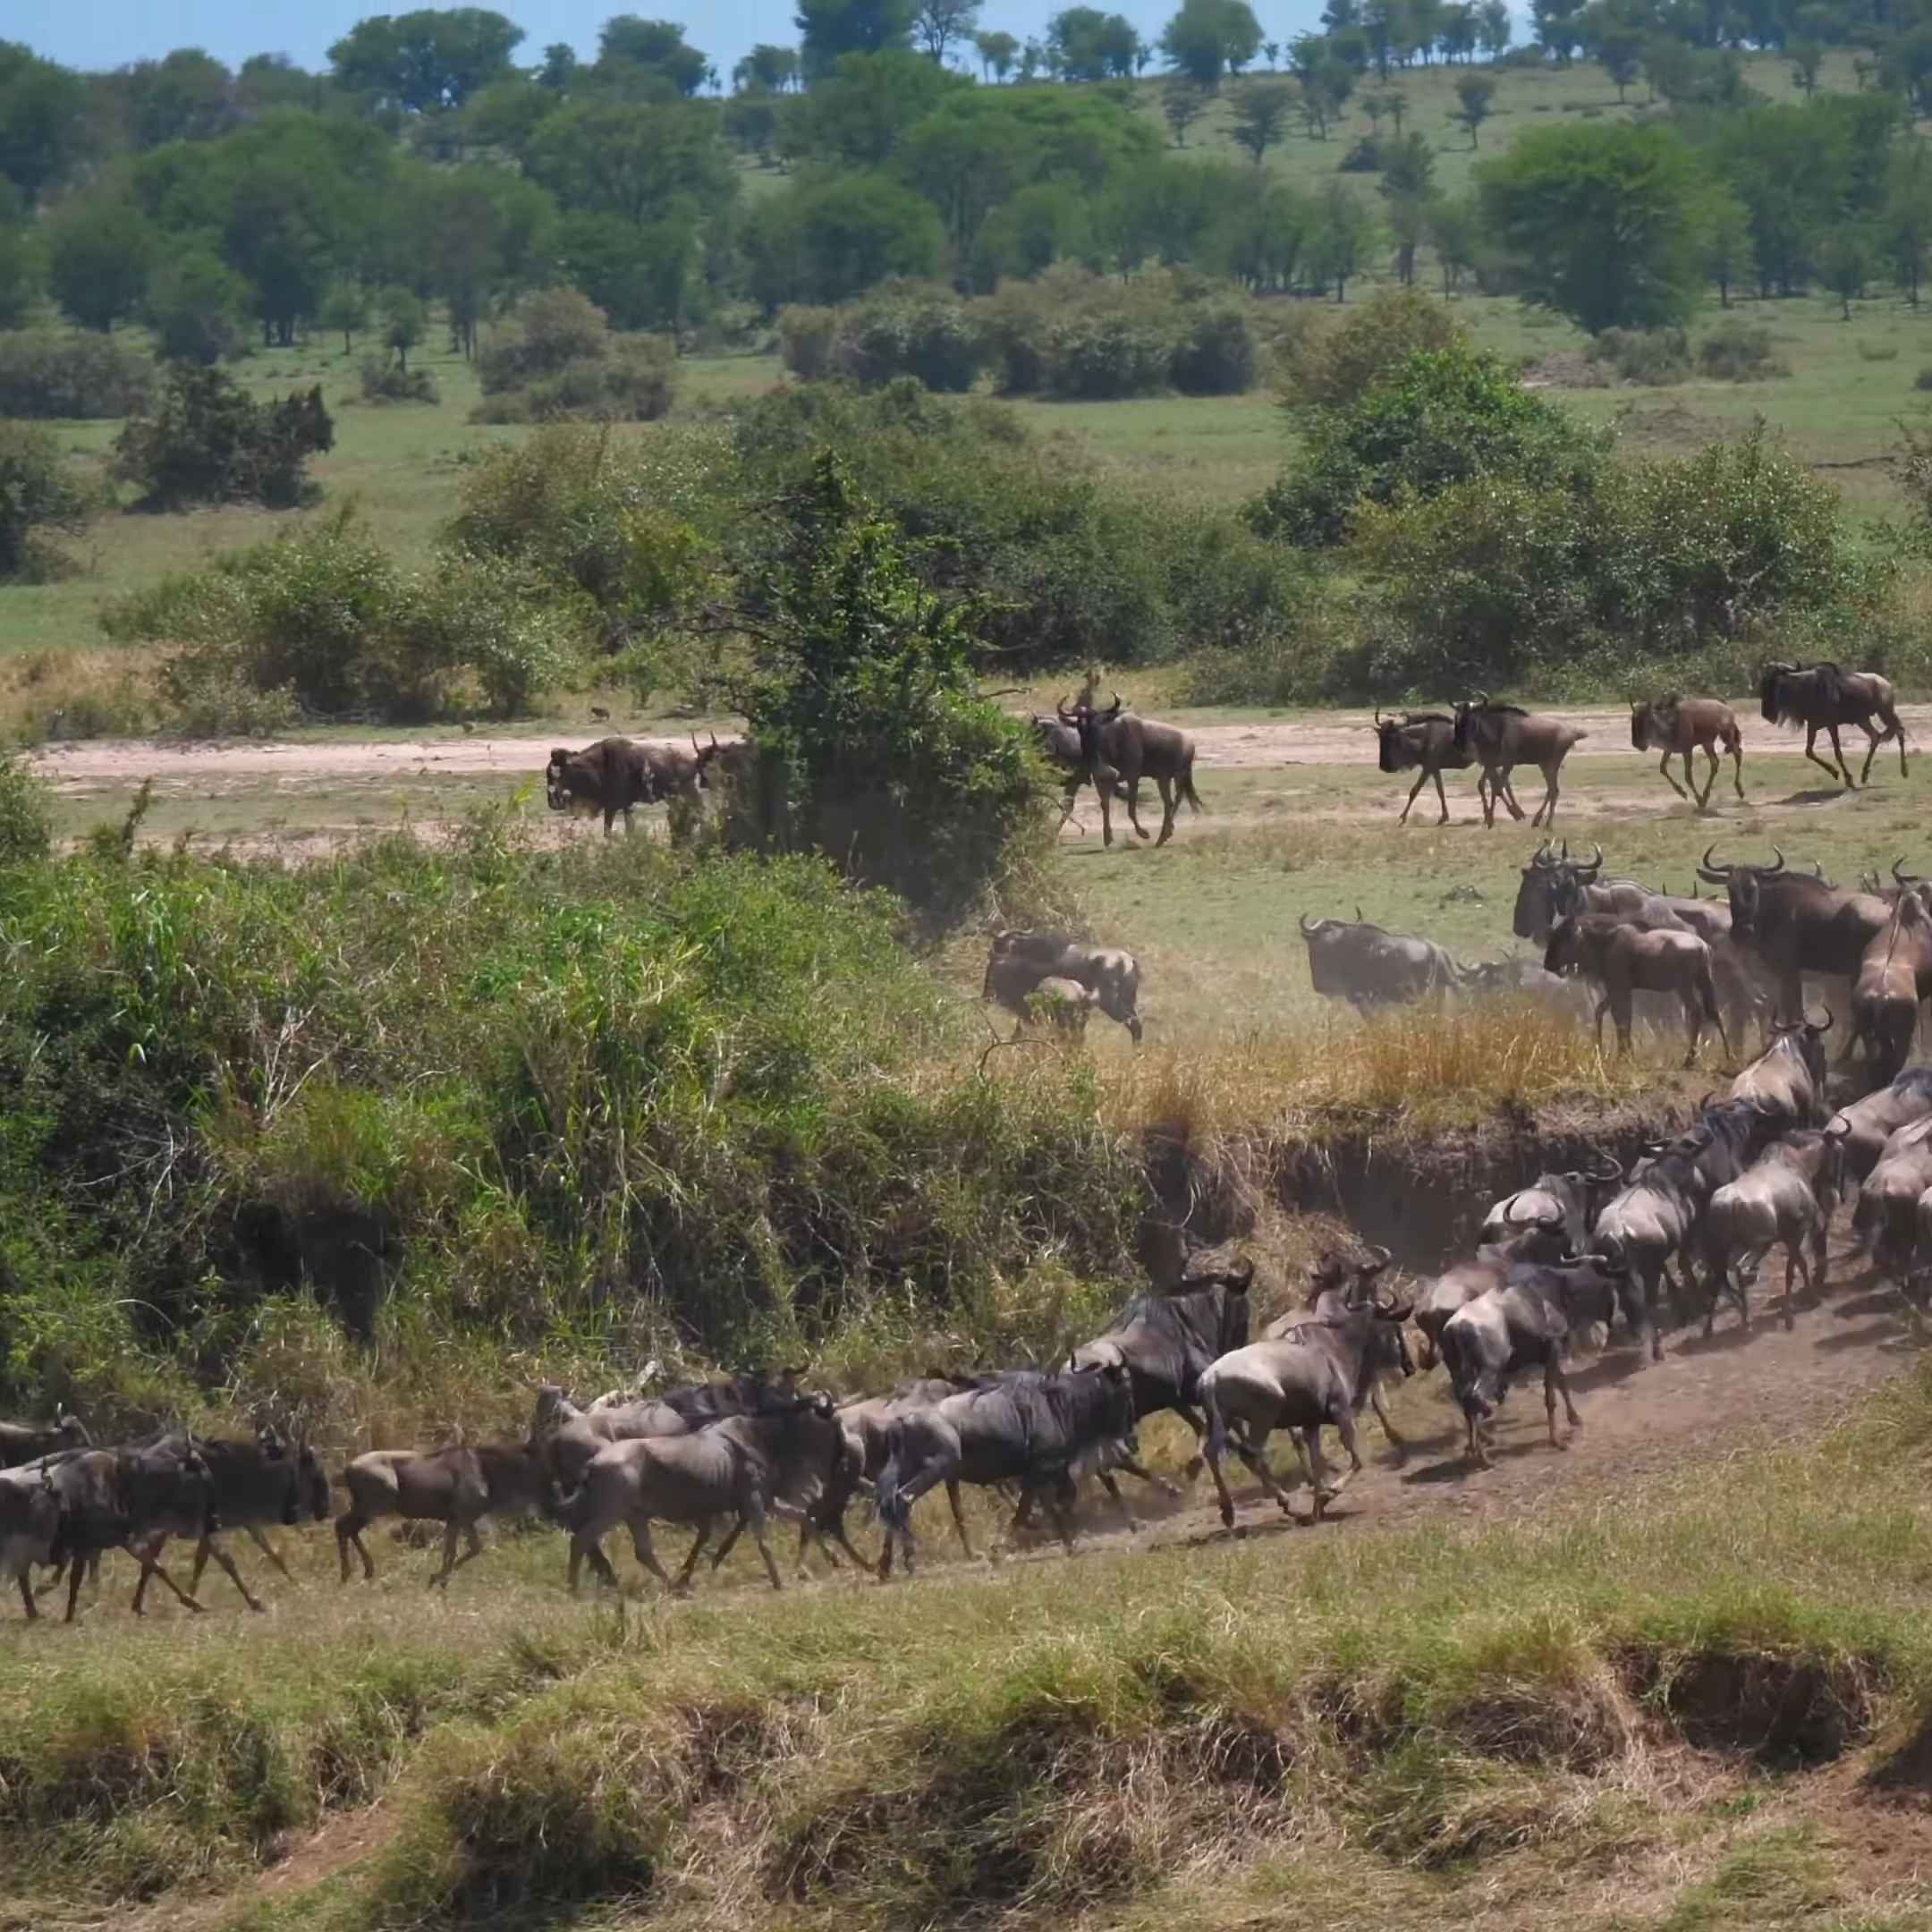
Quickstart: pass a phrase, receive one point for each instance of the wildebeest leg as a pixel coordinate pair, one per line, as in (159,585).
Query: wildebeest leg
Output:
(1619,1001)
(1555,1384)
(1670,778)
(959,1515)
(1170,804)
(1485,795)
(754,1516)
(1119,1501)
(1545,813)
(1603,1006)
(641,1548)
(1505,791)
(1133,806)
(27,1596)
(349,1527)
(1838,753)
(452,1529)
(1220,1483)
(683,1583)
(1389,1428)
(1422,778)
(149,1560)
(1710,777)
(211,1545)
(1061,1498)
(1693,1021)
(1128,1465)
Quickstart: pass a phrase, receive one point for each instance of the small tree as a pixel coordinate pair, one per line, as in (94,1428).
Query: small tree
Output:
(404,320)
(1475,91)
(997,52)
(346,311)
(1261,115)
(209,442)
(1845,261)
(873,746)
(39,493)
(1183,104)
(1806,56)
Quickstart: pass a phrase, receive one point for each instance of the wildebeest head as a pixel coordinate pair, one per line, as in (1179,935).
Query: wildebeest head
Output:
(73,1432)
(1329,950)
(565,777)
(1745,884)
(1568,946)
(1568,878)
(1533,914)
(1771,691)
(706,755)
(1087,719)
(1395,749)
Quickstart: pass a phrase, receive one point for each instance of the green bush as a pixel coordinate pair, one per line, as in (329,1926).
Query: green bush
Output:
(557,357)
(1737,351)
(805,335)
(46,374)
(209,442)
(39,494)
(1217,352)
(1335,366)
(1653,358)
(381,378)
(26,816)
(932,337)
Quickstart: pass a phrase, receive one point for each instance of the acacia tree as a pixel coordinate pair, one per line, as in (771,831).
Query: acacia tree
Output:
(1474,91)
(1208,38)
(1261,115)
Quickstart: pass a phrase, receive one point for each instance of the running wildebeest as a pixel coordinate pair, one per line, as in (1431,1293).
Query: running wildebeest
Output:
(134,1500)
(29,1525)
(616,775)
(1621,960)
(1797,924)
(1894,979)
(1499,737)
(1571,1200)
(1315,1376)
(1886,1219)
(566,1438)
(1863,1127)
(1527,1237)
(744,1468)
(23,1442)
(1132,749)
(1060,745)
(1040,1431)
(1361,963)
(1677,727)
(1784,1198)
(1424,742)
(1822,698)
(456,1486)
(1786,1081)
(1018,963)
(1527,1323)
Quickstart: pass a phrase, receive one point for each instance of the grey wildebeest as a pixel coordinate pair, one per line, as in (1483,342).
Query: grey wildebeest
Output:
(1499,737)
(1785,1198)
(1822,698)
(1677,727)
(1316,1376)
(1423,743)
(1337,1287)
(742,1469)
(1885,1217)
(1526,1323)
(1863,1127)
(1569,1200)
(134,1500)
(1786,1081)
(1061,1005)
(1797,924)
(1621,959)
(1018,963)
(457,1486)
(29,1524)
(1656,1213)
(1040,1431)
(566,1438)
(25,1442)
(1060,745)
(1894,979)
(1168,1341)
(1529,1237)
(1353,961)
(1132,749)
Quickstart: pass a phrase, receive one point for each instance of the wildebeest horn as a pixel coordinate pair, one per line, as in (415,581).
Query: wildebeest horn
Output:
(1305,927)
(1902,878)
(1613,1172)
(1717,875)
(1770,869)
(1539,859)
(1380,1258)
(1379,718)
(1596,864)
(1824,1028)
(1481,697)
(1113,709)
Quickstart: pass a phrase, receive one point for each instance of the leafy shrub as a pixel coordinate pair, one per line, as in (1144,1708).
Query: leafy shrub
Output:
(1217,352)
(1737,351)
(209,442)
(1336,367)
(324,623)
(557,358)
(39,493)
(932,337)
(380,378)
(552,330)
(46,374)
(805,335)
(1652,358)
(26,816)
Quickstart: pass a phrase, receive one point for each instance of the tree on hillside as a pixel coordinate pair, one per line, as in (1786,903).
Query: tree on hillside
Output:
(43,116)
(1493,26)
(1183,104)
(1208,38)
(1615,37)
(1554,24)
(939,23)
(1261,110)
(637,159)
(1602,222)
(1475,91)
(100,250)
(1845,258)
(775,69)
(1730,257)
(1906,219)
(1344,231)
(997,52)
(421,62)
(829,29)
(1806,56)
(1084,44)
(197,307)
(628,45)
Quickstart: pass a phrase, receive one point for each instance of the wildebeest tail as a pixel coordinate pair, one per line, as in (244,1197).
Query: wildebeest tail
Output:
(1465,1374)
(1217,1435)
(1187,786)
(893,1509)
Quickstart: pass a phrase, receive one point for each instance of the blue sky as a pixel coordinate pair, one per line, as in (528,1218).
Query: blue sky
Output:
(108,33)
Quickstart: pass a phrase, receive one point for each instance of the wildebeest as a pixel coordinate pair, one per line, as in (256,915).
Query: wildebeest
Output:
(1424,742)
(1040,1431)
(1894,979)
(566,1438)
(1338,1287)
(1621,960)
(29,1525)
(1786,1081)
(457,1486)
(616,775)
(1677,727)
(1527,979)
(1060,745)
(1785,1198)
(1655,1214)
(1527,1323)
(1864,1126)
(1539,1237)
(1822,698)
(1367,966)
(1132,749)
(1569,1200)
(744,1469)
(1499,737)
(1797,924)
(1885,1217)
(1062,1005)
(26,1441)
(1316,1376)
(1017,963)
(1168,1341)
(134,1500)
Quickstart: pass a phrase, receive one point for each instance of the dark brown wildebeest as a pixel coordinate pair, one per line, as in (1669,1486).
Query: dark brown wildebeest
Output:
(29,1525)
(1621,960)
(1132,749)
(455,1486)
(1677,727)
(1354,961)
(1894,977)
(1886,1219)
(1499,737)
(616,775)
(135,1499)
(1786,1196)
(1060,745)
(1822,698)
(1423,743)
(567,1438)
(23,1442)
(1863,1127)
(1797,924)
(1018,963)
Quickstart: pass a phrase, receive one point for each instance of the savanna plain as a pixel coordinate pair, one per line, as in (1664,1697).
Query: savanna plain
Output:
(350,1087)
